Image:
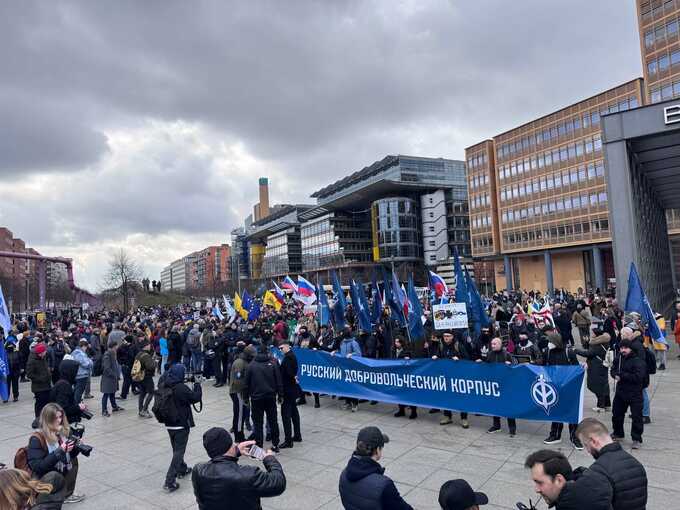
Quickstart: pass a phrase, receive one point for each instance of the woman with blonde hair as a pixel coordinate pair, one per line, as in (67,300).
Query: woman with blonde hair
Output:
(19,492)
(50,450)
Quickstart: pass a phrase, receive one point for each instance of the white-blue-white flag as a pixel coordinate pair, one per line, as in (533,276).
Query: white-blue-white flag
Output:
(5,321)
(228,308)
(217,312)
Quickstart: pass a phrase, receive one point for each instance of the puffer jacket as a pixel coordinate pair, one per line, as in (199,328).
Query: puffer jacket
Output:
(222,479)
(364,486)
(263,378)
(626,475)
(38,372)
(586,490)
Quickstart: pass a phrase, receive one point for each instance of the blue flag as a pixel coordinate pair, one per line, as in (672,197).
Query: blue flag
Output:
(254,312)
(636,301)
(360,309)
(337,288)
(477,315)
(415,313)
(376,310)
(5,321)
(398,299)
(4,373)
(246,301)
(217,312)
(340,303)
(323,311)
(364,300)
(461,288)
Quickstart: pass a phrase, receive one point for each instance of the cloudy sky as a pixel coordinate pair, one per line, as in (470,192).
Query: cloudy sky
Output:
(145,124)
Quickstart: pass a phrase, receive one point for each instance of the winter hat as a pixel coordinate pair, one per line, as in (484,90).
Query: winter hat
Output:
(217,442)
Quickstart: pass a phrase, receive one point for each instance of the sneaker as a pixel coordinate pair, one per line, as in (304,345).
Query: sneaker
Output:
(286,444)
(74,498)
(616,438)
(187,472)
(576,443)
(552,440)
(297,439)
(171,487)
(465,424)
(121,398)
(445,420)
(145,414)
(598,409)
(646,420)
(15,399)
(493,430)
(347,407)
(88,396)
(106,414)
(118,409)
(316,405)
(275,449)
(512,433)
(662,367)
(636,445)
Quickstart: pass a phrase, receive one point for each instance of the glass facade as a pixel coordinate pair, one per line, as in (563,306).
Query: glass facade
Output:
(283,253)
(335,239)
(396,226)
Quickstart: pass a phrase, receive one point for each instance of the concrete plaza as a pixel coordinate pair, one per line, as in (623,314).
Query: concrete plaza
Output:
(131,455)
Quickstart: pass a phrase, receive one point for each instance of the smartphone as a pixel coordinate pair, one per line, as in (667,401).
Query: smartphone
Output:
(256,452)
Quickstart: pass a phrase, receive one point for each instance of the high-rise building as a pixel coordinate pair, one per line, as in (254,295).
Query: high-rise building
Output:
(538,197)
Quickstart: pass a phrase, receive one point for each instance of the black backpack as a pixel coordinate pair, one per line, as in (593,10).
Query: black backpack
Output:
(650,360)
(164,405)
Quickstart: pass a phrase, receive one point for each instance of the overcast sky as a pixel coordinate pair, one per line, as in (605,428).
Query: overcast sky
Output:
(145,124)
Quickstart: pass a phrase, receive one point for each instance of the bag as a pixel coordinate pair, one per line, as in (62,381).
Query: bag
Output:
(608,359)
(137,373)
(650,359)
(164,407)
(21,456)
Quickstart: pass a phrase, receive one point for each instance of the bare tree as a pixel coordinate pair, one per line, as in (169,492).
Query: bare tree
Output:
(121,275)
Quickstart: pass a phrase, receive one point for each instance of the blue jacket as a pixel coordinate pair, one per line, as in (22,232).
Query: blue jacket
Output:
(350,346)
(84,362)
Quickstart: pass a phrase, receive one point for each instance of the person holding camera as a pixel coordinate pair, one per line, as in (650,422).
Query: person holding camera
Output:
(51,449)
(178,420)
(222,479)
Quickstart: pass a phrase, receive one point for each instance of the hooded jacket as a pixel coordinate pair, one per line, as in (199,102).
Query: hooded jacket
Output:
(557,354)
(364,486)
(598,375)
(238,372)
(263,379)
(62,392)
(349,345)
(183,395)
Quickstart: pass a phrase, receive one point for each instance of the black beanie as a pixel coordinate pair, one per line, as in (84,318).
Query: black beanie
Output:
(217,441)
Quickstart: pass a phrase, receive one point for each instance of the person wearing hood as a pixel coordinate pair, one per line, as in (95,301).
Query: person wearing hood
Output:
(630,374)
(557,354)
(62,392)
(349,347)
(85,364)
(237,389)
(263,384)
(597,373)
(363,484)
(14,363)
(179,428)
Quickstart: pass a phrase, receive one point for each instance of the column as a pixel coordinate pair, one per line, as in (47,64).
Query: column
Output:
(42,283)
(597,268)
(549,272)
(508,272)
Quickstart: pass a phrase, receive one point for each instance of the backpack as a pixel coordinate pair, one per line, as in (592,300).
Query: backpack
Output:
(164,406)
(650,360)
(608,359)
(137,372)
(21,456)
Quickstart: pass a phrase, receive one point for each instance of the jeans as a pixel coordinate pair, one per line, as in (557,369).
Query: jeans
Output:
(164,362)
(79,389)
(260,408)
(112,398)
(290,415)
(196,363)
(619,408)
(178,440)
(645,403)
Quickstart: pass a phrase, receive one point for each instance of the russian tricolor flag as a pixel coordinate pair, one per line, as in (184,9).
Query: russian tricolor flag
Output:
(289,284)
(438,284)
(305,288)
(278,293)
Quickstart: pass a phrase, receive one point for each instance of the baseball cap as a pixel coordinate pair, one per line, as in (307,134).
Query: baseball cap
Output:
(372,437)
(458,495)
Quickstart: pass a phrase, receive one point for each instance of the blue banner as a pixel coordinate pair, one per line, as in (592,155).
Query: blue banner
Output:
(529,392)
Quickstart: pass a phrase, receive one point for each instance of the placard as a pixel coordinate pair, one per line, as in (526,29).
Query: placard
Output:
(450,316)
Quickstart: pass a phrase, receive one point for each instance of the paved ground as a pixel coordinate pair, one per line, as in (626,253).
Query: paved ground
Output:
(131,455)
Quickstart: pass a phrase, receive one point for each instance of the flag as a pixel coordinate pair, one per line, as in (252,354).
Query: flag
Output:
(4,372)
(339,293)
(5,321)
(461,289)
(340,303)
(478,316)
(270,300)
(305,288)
(397,301)
(217,312)
(376,309)
(237,306)
(405,297)
(364,301)
(254,312)
(307,300)
(636,301)
(415,321)
(438,284)
(229,309)
(359,309)
(278,293)
(322,310)
(289,284)
(246,302)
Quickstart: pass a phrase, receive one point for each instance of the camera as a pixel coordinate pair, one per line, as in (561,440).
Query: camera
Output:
(193,377)
(86,414)
(75,436)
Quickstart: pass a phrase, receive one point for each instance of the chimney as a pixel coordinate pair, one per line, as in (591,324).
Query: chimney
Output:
(263,210)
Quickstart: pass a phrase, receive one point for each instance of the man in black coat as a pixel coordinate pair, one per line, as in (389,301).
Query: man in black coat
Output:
(564,489)
(289,410)
(63,393)
(630,374)
(625,473)
(222,479)
(453,349)
(263,384)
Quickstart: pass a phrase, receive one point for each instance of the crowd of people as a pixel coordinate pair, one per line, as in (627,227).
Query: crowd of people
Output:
(163,355)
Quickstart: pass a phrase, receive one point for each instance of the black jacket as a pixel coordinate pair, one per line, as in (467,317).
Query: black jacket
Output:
(363,486)
(289,368)
(587,490)
(222,483)
(263,379)
(41,461)
(633,375)
(37,370)
(174,347)
(458,348)
(501,356)
(184,397)
(62,392)
(626,475)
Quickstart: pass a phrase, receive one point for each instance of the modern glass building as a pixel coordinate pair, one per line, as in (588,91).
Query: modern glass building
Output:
(396,229)
(283,254)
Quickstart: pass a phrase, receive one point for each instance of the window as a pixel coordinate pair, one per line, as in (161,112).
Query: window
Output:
(579,149)
(675,57)
(651,67)
(633,102)
(582,174)
(671,28)
(591,171)
(567,204)
(595,118)
(558,180)
(573,177)
(655,95)
(602,198)
(593,199)
(599,169)
(649,38)
(666,92)
(431,228)
(564,156)
(586,120)
(432,243)
(663,63)
(577,122)
(589,146)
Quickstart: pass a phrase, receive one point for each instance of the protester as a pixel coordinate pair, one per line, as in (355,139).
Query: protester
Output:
(499,355)
(289,411)
(458,495)
(363,484)
(597,373)
(222,479)
(109,379)
(401,351)
(349,347)
(146,385)
(630,374)
(565,489)
(627,476)
(125,355)
(263,385)
(453,350)
(38,372)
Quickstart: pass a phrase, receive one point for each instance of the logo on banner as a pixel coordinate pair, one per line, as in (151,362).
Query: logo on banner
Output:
(544,394)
